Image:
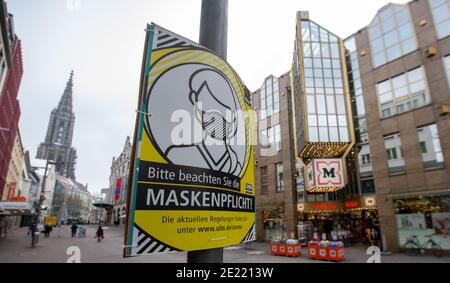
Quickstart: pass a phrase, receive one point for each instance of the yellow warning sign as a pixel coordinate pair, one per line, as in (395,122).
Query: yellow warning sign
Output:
(193,177)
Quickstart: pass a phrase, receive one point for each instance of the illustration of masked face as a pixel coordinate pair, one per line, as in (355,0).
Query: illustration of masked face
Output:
(216,126)
(217,118)
(207,128)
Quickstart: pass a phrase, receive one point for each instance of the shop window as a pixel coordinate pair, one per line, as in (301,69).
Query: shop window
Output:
(430,145)
(423,221)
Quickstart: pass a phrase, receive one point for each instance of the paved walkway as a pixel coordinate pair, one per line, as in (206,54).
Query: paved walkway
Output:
(17,248)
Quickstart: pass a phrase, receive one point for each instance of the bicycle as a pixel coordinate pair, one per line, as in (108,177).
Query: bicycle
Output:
(414,246)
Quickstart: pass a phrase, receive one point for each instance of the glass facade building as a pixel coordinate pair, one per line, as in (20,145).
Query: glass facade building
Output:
(403,93)
(269,98)
(399,73)
(441,16)
(391,34)
(323,116)
(364,161)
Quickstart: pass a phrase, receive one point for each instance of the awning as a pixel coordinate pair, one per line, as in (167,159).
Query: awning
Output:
(102,205)
(15,208)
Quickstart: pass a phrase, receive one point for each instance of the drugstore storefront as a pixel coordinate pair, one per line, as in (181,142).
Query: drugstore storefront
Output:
(345,221)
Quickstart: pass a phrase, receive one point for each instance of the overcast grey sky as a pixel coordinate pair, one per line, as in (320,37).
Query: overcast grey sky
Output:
(103,42)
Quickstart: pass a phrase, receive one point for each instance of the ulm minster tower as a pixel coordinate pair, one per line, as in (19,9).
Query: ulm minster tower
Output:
(58,141)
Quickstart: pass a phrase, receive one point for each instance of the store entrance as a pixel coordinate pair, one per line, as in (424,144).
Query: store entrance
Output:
(350,227)
(274,224)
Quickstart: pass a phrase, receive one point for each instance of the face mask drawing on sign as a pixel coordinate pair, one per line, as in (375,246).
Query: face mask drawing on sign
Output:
(213,106)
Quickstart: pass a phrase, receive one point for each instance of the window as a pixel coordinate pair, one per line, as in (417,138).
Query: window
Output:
(447,67)
(365,159)
(423,147)
(393,145)
(367,186)
(280,179)
(269,98)
(277,138)
(391,153)
(264,180)
(430,146)
(325,104)
(441,16)
(391,34)
(402,93)
(270,139)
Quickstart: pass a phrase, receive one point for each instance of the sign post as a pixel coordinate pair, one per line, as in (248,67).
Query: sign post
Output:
(213,35)
(192,177)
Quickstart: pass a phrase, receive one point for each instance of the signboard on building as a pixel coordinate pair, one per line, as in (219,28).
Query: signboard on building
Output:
(370,201)
(192,186)
(50,220)
(310,178)
(11,190)
(15,208)
(118,189)
(325,174)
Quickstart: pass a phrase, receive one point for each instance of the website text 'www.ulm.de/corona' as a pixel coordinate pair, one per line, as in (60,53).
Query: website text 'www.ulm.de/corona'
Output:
(208,229)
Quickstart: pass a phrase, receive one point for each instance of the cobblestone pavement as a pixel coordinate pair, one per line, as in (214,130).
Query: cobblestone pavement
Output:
(17,248)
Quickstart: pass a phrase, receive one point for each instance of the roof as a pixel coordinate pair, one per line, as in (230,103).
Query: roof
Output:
(71,184)
(38,162)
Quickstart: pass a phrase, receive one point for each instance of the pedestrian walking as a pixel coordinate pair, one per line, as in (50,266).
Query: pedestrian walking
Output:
(99,234)
(34,232)
(74,228)
(47,230)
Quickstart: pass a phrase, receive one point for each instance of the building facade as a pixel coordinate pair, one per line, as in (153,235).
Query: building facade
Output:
(29,187)
(10,77)
(118,182)
(71,201)
(275,171)
(58,140)
(330,203)
(12,187)
(46,185)
(402,64)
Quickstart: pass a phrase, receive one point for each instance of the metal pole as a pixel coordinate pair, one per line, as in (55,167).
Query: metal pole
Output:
(41,195)
(214,26)
(214,36)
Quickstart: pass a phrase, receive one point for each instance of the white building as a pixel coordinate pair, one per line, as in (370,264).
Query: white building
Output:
(46,184)
(118,182)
